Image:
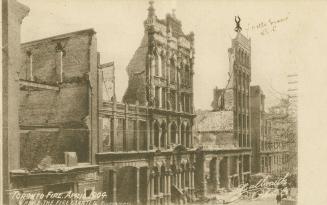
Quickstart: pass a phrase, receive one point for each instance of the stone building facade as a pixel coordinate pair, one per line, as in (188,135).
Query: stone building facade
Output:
(270,144)
(224,133)
(147,154)
(58,115)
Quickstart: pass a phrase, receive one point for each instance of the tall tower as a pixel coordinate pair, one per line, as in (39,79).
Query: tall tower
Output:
(240,74)
(161,80)
(161,77)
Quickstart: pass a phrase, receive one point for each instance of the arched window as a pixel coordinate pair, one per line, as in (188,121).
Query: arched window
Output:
(156,134)
(183,176)
(157,96)
(157,65)
(162,179)
(173,179)
(246,59)
(153,66)
(163,97)
(182,75)
(172,71)
(163,66)
(183,135)
(173,133)
(163,139)
(188,136)
(187,178)
(156,180)
(187,76)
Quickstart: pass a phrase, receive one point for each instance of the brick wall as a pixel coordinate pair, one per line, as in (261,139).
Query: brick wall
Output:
(70,105)
(75,59)
(136,69)
(35,145)
(71,109)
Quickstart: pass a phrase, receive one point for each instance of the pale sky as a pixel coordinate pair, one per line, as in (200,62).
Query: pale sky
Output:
(119,27)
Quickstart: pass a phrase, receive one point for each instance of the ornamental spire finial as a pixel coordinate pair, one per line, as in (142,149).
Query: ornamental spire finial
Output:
(151,9)
(238,28)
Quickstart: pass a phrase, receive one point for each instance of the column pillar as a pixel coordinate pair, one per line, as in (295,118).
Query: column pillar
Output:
(169,187)
(166,137)
(184,176)
(217,173)
(114,186)
(125,129)
(152,134)
(191,135)
(160,135)
(165,191)
(238,170)
(192,177)
(114,126)
(152,185)
(179,138)
(158,177)
(204,177)
(228,172)
(148,176)
(168,134)
(242,169)
(148,135)
(137,130)
(137,185)
(180,179)
(159,97)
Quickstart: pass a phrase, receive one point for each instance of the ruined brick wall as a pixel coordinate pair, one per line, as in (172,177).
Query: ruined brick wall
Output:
(223,99)
(220,139)
(36,144)
(69,109)
(136,69)
(229,99)
(46,107)
(45,60)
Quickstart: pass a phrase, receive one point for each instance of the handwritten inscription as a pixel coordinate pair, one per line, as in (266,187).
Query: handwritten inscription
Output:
(266,27)
(261,189)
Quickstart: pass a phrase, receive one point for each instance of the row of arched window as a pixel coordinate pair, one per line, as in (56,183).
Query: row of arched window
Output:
(242,80)
(243,57)
(181,178)
(243,100)
(160,135)
(162,98)
(244,140)
(160,68)
(128,134)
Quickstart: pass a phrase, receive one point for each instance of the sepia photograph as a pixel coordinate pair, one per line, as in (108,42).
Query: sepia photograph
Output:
(154,102)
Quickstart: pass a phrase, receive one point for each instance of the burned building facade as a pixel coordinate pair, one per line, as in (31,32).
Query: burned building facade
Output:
(270,130)
(147,154)
(75,136)
(224,133)
(58,118)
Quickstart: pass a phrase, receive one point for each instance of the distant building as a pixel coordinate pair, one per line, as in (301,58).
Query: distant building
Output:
(224,133)
(270,142)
